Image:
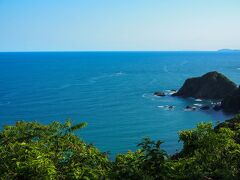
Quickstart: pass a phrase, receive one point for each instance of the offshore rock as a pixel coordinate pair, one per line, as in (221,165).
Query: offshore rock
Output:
(212,85)
(159,93)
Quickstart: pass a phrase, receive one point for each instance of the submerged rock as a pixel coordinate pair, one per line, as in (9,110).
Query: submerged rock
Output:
(217,107)
(205,107)
(190,108)
(212,85)
(171,107)
(167,107)
(159,93)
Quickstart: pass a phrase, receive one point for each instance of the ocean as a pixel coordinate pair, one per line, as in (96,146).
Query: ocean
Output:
(111,91)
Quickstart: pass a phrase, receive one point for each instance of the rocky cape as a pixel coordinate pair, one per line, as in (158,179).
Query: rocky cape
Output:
(213,86)
(231,103)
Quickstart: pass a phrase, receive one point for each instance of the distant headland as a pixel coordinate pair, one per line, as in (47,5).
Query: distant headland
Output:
(229,50)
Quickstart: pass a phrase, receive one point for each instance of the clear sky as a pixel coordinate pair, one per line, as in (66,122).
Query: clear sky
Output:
(85,25)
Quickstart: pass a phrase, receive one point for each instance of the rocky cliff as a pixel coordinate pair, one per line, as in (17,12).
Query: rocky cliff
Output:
(212,85)
(231,103)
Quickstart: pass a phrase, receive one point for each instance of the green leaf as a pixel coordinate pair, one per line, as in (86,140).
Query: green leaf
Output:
(78,126)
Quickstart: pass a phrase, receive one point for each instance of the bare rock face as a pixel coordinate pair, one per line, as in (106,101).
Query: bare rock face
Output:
(212,85)
(231,103)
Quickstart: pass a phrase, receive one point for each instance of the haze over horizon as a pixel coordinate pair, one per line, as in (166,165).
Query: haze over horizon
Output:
(119,26)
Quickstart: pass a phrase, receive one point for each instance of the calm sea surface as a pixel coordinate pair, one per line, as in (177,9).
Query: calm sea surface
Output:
(112,91)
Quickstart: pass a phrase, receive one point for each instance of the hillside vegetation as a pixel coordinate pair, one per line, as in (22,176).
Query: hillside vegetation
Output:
(30,150)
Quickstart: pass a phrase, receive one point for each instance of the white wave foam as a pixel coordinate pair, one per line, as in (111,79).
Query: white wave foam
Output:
(165,69)
(149,96)
(104,76)
(216,103)
(65,86)
(170,92)
(5,103)
(188,110)
(119,73)
(167,107)
(198,100)
(199,105)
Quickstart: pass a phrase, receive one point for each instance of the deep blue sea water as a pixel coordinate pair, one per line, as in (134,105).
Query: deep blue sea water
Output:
(112,91)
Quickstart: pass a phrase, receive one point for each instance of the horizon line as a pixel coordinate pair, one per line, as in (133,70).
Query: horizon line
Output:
(38,51)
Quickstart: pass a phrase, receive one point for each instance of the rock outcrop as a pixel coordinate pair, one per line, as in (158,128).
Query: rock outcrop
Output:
(205,107)
(190,108)
(231,103)
(212,85)
(232,123)
(159,93)
(217,107)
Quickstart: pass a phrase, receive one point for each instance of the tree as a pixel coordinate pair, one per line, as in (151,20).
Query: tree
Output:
(30,150)
(208,153)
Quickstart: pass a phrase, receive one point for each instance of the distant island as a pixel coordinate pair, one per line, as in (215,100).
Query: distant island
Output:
(229,50)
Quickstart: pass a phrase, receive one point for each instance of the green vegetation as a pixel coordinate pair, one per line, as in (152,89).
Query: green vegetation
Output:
(35,151)
(30,150)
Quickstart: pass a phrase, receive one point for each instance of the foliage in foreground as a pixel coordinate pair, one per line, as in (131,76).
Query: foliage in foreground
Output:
(30,150)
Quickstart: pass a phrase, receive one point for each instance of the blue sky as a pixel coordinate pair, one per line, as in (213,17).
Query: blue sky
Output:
(96,25)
